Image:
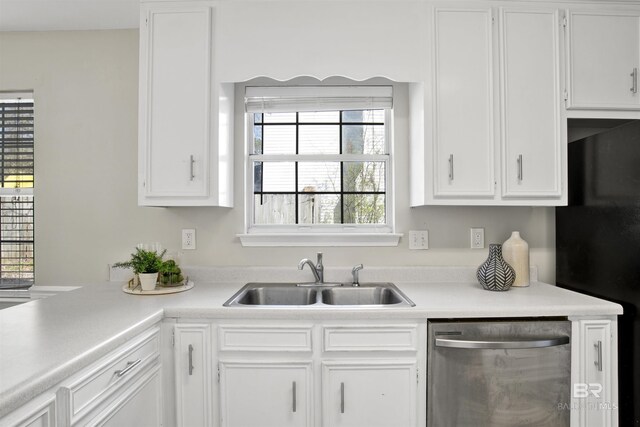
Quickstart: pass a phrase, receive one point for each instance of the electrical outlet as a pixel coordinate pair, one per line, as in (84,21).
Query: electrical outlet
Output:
(188,238)
(419,239)
(477,238)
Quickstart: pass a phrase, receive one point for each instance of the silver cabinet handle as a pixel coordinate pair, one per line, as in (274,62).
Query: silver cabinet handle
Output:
(294,403)
(451,167)
(537,343)
(190,359)
(598,361)
(634,81)
(130,365)
(342,398)
(519,161)
(191,162)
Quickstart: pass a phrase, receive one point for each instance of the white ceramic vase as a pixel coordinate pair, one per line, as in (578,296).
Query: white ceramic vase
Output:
(148,281)
(515,252)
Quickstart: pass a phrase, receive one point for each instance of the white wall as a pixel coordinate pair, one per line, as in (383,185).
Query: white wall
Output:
(85,90)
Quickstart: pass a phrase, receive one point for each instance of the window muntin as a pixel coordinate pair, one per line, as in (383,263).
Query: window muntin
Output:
(16,190)
(322,169)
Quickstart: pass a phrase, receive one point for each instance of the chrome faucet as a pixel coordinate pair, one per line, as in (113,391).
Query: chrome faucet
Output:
(317,269)
(354,273)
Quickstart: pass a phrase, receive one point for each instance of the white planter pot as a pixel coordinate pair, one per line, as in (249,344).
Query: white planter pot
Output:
(148,281)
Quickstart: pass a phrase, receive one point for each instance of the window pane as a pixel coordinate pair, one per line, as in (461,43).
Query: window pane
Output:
(363,139)
(319,117)
(257,118)
(363,176)
(319,139)
(364,208)
(277,176)
(257,139)
(279,139)
(279,117)
(363,116)
(274,209)
(318,176)
(319,209)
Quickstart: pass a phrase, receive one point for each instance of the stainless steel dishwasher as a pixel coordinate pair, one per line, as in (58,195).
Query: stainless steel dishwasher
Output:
(502,373)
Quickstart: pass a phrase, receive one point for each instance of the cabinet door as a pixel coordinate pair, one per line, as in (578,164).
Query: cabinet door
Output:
(603,53)
(531,133)
(193,375)
(175,102)
(138,405)
(39,412)
(369,393)
(463,135)
(595,393)
(270,394)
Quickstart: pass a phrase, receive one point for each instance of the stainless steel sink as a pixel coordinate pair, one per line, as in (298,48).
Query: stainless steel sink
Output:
(364,295)
(274,294)
(318,295)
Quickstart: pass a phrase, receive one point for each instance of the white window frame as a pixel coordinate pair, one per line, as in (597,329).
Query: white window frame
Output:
(320,234)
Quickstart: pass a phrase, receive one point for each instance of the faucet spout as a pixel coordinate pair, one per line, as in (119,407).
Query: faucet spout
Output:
(307,261)
(317,269)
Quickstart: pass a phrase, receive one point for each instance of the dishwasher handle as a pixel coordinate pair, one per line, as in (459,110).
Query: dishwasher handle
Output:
(502,344)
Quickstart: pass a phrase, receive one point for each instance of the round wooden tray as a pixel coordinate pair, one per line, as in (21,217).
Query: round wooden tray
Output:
(159,290)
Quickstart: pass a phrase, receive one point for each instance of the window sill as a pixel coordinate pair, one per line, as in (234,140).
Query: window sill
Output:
(320,239)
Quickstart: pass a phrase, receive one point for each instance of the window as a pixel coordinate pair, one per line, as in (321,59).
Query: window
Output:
(319,162)
(16,190)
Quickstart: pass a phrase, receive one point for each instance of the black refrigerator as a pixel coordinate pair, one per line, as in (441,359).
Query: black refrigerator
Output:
(598,241)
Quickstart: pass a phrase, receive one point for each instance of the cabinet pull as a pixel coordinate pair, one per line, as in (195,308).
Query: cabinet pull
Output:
(634,81)
(342,398)
(451,167)
(190,359)
(191,162)
(294,400)
(598,361)
(130,365)
(519,161)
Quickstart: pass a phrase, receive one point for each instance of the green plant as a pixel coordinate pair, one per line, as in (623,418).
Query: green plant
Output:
(143,261)
(170,272)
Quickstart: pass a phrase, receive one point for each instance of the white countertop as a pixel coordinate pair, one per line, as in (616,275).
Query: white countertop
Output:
(45,341)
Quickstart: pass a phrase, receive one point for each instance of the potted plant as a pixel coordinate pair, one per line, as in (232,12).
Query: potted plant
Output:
(146,265)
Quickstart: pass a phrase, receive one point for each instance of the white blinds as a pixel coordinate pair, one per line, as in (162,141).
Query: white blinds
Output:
(283,99)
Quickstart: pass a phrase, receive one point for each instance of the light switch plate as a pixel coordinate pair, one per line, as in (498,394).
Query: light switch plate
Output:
(418,239)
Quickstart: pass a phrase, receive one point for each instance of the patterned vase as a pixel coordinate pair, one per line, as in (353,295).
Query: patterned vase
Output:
(495,274)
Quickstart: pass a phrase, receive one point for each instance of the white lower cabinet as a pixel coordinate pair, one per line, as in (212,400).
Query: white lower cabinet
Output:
(266,394)
(139,404)
(40,412)
(336,374)
(369,393)
(192,361)
(122,389)
(594,382)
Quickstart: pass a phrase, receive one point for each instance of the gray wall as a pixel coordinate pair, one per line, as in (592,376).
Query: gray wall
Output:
(85,87)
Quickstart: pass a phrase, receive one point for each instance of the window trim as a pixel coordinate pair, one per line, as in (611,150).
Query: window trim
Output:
(320,234)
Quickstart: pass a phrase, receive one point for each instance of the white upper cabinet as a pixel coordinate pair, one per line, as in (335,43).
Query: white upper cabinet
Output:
(463,103)
(489,130)
(532,142)
(603,51)
(184,150)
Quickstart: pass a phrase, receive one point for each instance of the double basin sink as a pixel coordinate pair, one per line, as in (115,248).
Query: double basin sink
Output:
(319,295)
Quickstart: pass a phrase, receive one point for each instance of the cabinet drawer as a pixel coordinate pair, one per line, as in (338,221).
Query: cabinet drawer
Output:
(103,378)
(268,338)
(368,338)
